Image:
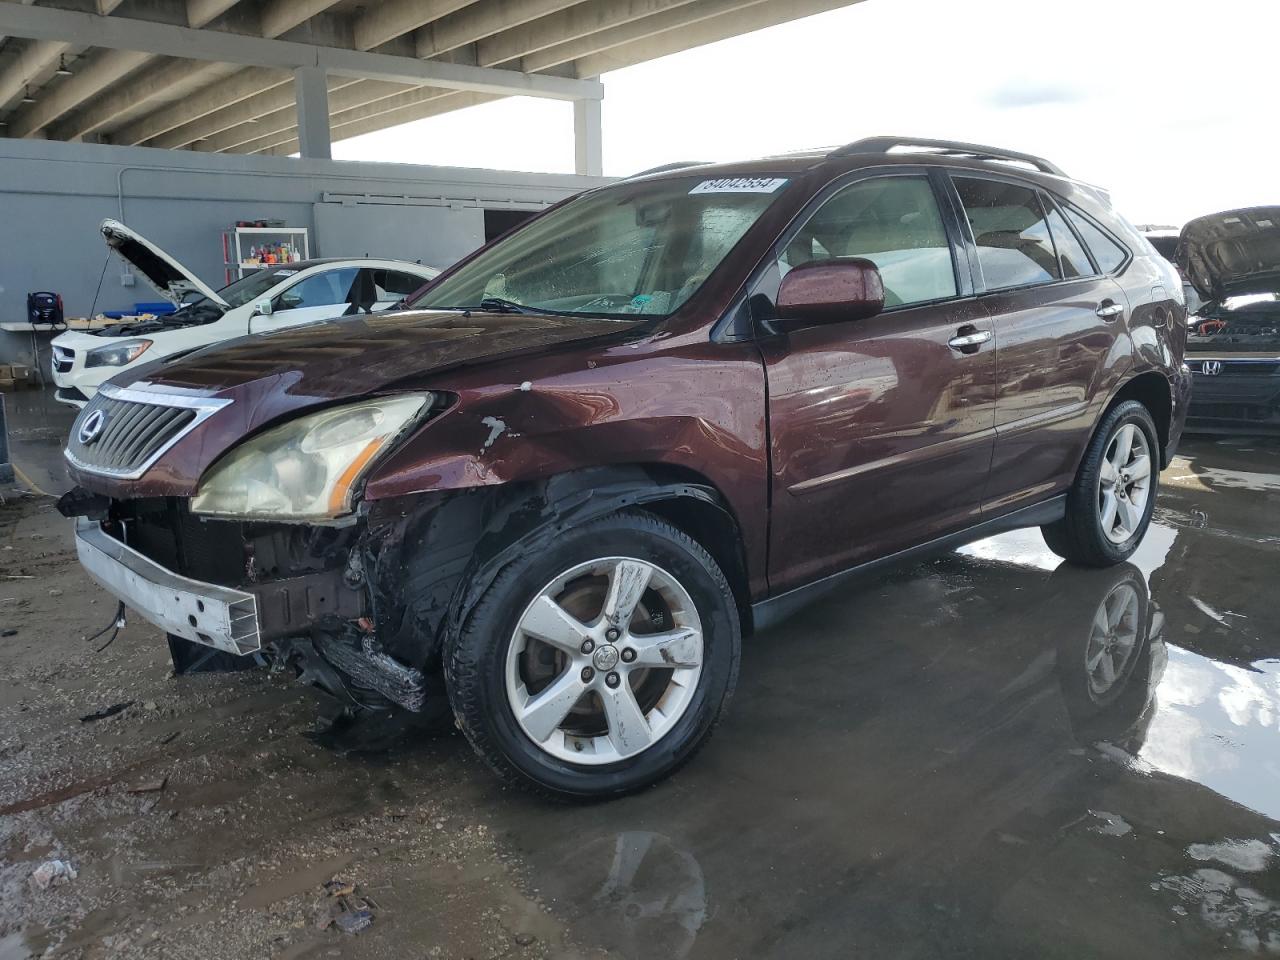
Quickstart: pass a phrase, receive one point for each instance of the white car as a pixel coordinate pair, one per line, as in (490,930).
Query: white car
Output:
(270,298)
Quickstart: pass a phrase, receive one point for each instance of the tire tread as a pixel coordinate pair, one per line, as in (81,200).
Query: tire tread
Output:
(464,652)
(1077,537)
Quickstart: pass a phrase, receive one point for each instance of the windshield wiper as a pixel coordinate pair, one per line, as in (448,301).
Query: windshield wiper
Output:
(502,305)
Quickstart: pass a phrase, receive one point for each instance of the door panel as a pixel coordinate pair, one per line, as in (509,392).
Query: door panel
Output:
(881,430)
(1056,321)
(1051,351)
(881,437)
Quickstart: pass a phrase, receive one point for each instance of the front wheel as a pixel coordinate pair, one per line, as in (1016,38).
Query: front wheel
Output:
(1110,504)
(599,664)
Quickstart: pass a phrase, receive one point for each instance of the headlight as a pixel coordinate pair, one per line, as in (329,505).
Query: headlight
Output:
(116,355)
(305,469)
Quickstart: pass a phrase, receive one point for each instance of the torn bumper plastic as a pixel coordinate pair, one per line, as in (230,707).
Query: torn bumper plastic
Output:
(219,617)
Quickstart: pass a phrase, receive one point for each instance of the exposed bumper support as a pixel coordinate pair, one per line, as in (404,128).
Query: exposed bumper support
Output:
(201,612)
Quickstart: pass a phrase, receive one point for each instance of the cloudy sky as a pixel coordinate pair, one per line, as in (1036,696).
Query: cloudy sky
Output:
(1171,104)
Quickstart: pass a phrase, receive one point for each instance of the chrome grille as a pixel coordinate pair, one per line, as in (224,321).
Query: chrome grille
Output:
(1239,368)
(121,432)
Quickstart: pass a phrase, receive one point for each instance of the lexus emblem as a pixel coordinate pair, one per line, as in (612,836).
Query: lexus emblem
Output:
(1211,368)
(92,427)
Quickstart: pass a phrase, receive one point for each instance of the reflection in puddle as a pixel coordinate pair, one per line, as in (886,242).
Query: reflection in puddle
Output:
(1216,724)
(1026,548)
(1224,902)
(653,900)
(1250,856)
(1242,479)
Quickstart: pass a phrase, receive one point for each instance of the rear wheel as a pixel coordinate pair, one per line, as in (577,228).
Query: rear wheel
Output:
(597,665)
(1110,504)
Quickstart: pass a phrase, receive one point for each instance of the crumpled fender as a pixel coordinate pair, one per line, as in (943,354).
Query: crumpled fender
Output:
(429,558)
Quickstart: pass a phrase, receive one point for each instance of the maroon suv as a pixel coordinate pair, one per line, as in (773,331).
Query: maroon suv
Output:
(561,484)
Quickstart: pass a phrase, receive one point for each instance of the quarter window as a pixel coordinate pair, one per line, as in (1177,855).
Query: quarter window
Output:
(1075,262)
(1014,246)
(893,222)
(1108,254)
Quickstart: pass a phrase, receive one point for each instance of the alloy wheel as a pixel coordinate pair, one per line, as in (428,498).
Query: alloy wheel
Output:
(604,661)
(1124,483)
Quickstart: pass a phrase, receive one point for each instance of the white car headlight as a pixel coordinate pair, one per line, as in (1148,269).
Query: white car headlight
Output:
(116,355)
(307,468)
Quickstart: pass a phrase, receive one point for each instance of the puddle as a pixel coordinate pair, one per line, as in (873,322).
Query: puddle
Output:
(1219,725)
(1251,856)
(13,946)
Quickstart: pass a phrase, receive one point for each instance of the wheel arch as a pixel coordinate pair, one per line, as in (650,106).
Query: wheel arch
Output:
(494,525)
(1153,391)
(538,511)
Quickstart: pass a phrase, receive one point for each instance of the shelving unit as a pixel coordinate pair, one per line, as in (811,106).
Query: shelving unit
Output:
(237,242)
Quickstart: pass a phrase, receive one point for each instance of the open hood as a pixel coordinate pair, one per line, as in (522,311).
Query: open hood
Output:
(170,279)
(1233,253)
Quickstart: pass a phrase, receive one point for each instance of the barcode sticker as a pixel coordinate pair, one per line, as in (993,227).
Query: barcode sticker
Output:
(740,185)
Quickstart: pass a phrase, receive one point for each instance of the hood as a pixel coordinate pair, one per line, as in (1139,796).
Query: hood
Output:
(271,376)
(1233,253)
(170,279)
(352,357)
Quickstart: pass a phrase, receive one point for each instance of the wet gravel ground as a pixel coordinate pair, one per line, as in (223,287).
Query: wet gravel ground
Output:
(935,764)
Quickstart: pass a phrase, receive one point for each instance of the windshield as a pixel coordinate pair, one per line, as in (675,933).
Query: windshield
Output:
(254,285)
(640,248)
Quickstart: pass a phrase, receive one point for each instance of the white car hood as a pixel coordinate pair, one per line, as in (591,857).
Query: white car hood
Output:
(170,279)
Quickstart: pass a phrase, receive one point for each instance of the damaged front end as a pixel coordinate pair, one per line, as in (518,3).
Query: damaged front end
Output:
(315,598)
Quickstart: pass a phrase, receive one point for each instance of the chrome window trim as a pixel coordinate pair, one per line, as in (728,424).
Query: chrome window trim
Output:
(204,407)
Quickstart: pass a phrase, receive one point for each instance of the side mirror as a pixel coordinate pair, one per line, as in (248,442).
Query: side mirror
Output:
(262,308)
(831,291)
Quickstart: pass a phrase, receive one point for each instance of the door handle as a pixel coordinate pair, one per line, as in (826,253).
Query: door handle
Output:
(1109,310)
(968,339)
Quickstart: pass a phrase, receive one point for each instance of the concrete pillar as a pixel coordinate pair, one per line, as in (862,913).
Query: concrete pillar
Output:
(587,140)
(312,93)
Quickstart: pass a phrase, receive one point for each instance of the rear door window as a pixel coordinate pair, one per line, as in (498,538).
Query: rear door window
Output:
(893,222)
(1015,248)
(1108,254)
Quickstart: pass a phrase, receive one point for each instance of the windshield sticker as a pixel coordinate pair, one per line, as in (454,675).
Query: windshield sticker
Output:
(740,185)
(284,273)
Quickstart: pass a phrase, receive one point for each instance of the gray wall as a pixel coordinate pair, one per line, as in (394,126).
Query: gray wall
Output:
(53,196)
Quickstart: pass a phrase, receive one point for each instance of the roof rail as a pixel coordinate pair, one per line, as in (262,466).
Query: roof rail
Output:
(677,165)
(955,148)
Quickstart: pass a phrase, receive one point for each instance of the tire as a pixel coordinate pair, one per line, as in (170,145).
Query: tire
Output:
(496,668)
(1081,536)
